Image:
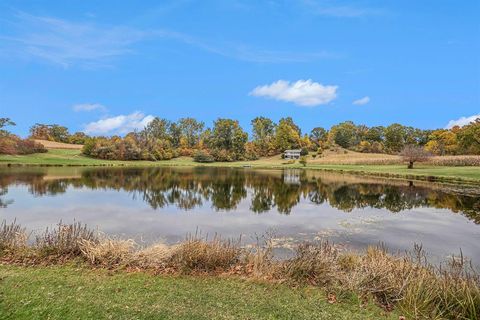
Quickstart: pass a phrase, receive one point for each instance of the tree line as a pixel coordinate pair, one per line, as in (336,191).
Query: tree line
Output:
(226,140)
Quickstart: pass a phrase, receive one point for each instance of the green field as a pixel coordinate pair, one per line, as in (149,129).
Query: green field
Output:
(75,158)
(76,293)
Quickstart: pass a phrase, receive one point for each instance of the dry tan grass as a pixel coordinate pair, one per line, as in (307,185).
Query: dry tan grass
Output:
(455,161)
(12,236)
(351,157)
(59,145)
(343,156)
(155,257)
(107,252)
(64,240)
(200,255)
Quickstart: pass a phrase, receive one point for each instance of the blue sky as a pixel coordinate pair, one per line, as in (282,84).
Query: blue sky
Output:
(108,66)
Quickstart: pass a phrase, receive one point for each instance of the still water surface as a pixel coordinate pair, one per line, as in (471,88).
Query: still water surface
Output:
(164,204)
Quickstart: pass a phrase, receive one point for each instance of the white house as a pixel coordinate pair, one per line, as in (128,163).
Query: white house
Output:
(292,154)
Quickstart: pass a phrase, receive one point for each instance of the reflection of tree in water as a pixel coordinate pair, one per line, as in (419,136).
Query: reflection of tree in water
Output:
(224,188)
(4,202)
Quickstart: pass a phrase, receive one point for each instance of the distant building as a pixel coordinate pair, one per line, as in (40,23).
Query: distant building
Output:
(292,154)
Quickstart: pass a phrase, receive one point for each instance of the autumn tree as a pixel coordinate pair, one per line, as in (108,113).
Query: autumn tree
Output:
(4,122)
(263,130)
(175,134)
(287,135)
(469,137)
(375,134)
(318,136)
(442,142)
(59,133)
(344,134)
(412,153)
(77,138)
(51,132)
(394,138)
(227,140)
(191,130)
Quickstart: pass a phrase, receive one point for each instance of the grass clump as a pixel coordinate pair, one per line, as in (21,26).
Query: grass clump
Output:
(312,264)
(64,240)
(107,252)
(12,237)
(199,255)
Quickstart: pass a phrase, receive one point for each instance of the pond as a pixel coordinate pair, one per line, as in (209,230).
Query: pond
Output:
(165,204)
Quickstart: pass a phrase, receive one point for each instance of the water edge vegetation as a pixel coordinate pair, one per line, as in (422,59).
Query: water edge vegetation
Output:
(407,283)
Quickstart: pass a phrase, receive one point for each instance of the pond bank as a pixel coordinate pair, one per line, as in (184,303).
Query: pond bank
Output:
(407,283)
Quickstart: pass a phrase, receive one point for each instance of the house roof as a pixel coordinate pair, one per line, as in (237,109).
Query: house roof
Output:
(294,150)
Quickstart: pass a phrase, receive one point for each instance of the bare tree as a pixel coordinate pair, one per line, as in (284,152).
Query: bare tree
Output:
(412,154)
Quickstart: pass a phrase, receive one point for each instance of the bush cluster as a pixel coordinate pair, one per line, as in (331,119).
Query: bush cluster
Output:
(12,144)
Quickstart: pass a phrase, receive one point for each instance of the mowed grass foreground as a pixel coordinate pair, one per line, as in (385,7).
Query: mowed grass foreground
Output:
(67,292)
(351,162)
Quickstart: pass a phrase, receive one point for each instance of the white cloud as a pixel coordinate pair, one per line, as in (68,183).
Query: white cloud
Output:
(463,121)
(88,107)
(361,101)
(119,124)
(303,92)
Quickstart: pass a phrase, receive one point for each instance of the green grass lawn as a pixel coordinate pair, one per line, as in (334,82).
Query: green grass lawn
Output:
(465,173)
(74,157)
(76,293)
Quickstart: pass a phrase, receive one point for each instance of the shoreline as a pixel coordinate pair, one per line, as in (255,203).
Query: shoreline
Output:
(357,169)
(373,276)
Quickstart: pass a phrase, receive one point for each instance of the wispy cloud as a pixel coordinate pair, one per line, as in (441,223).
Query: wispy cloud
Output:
(361,101)
(462,121)
(68,43)
(303,92)
(247,53)
(88,107)
(340,10)
(119,124)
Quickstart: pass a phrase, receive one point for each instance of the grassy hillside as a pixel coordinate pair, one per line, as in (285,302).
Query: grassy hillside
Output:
(66,292)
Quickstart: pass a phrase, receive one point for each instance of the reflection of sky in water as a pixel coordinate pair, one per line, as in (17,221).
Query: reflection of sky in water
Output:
(441,231)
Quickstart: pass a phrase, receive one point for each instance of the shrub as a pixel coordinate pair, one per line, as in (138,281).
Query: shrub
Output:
(304,151)
(203,157)
(303,161)
(12,144)
(222,155)
(29,146)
